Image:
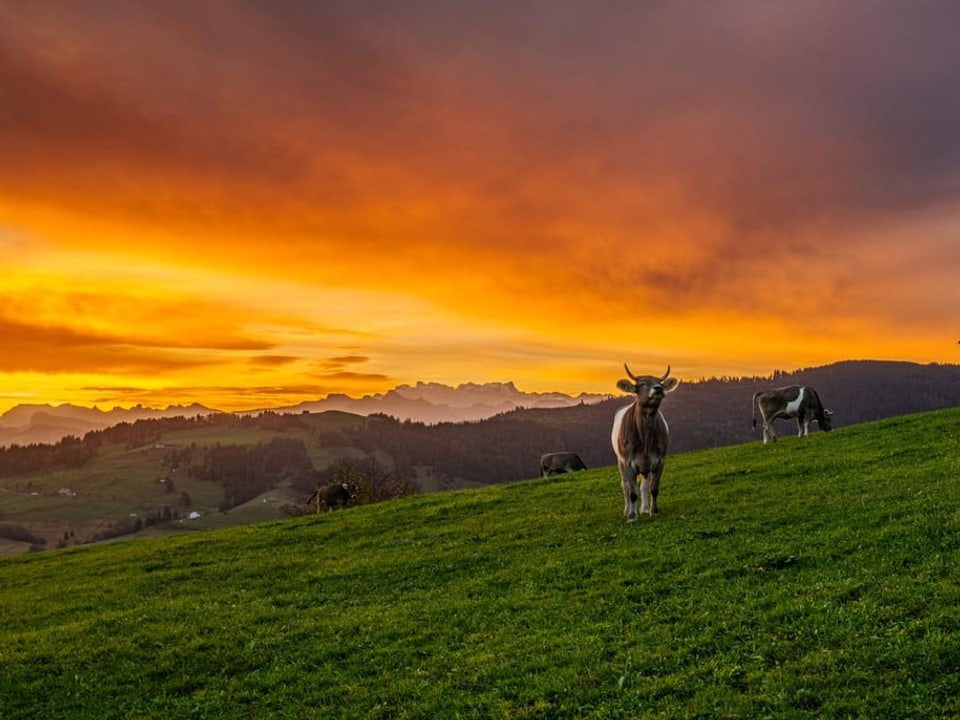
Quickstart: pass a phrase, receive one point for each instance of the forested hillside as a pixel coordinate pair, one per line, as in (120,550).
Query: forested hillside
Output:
(704,414)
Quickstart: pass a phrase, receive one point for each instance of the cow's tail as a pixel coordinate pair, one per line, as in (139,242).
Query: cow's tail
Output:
(753,410)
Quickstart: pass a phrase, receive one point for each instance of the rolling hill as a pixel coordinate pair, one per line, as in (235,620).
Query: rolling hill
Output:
(805,579)
(134,485)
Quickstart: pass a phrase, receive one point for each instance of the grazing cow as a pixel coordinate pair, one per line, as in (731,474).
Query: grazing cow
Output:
(561,462)
(333,496)
(797,401)
(639,439)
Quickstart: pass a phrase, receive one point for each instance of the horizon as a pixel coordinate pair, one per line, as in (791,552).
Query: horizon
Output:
(602,396)
(265,206)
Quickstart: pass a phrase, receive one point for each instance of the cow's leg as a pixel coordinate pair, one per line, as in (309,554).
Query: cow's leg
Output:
(645,493)
(655,490)
(628,481)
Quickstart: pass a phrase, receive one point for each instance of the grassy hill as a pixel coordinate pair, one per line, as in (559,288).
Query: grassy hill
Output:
(805,579)
(122,483)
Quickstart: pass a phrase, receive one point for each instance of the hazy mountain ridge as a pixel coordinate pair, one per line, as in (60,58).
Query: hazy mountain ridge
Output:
(705,413)
(40,423)
(431,403)
(426,402)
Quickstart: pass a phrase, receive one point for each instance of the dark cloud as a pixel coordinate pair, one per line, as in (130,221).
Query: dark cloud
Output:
(346,375)
(346,360)
(273,360)
(59,348)
(32,348)
(763,113)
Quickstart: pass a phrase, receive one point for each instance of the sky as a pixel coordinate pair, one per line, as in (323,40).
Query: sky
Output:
(252,203)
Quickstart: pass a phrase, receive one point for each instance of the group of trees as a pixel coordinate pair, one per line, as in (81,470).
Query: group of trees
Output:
(374,480)
(245,471)
(148,431)
(507,447)
(73,452)
(69,452)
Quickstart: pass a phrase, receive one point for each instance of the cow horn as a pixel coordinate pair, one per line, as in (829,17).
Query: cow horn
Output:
(666,374)
(629,374)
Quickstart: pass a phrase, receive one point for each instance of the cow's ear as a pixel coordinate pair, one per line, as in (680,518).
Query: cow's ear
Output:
(627,386)
(670,384)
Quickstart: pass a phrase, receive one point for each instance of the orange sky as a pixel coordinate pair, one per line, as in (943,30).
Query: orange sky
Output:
(253,203)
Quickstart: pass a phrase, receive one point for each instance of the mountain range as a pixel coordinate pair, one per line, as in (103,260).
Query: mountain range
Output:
(425,402)
(431,403)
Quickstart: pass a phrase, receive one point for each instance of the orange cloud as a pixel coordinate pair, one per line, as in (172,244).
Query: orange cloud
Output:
(434,192)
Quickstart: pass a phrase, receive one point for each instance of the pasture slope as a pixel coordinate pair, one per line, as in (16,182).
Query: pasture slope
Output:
(811,578)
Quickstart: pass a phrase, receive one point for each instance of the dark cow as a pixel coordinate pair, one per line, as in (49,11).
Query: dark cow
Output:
(639,439)
(797,401)
(333,496)
(561,462)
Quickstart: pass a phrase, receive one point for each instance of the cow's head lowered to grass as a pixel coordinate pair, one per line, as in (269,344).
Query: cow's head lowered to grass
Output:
(639,439)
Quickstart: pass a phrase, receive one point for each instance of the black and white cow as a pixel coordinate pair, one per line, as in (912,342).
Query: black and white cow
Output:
(639,438)
(560,462)
(797,401)
(333,496)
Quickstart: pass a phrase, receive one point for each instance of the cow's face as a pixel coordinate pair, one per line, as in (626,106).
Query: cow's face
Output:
(649,390)
(826,423)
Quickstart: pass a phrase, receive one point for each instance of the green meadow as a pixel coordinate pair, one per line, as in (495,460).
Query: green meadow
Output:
(813,578)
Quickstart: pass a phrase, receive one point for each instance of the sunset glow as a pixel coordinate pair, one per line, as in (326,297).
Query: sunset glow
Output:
(250,204)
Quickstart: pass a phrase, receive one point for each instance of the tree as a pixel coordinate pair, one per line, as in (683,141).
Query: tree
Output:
(374,480)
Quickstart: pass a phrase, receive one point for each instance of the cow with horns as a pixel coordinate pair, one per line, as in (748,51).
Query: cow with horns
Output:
(797,401)
(639,439)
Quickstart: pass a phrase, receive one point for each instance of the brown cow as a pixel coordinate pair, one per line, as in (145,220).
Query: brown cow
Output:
(639,439)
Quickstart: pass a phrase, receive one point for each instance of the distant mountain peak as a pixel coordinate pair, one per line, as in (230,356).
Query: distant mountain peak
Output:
(429,402)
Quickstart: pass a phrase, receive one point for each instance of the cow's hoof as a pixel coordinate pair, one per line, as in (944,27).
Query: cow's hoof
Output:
(631,518)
